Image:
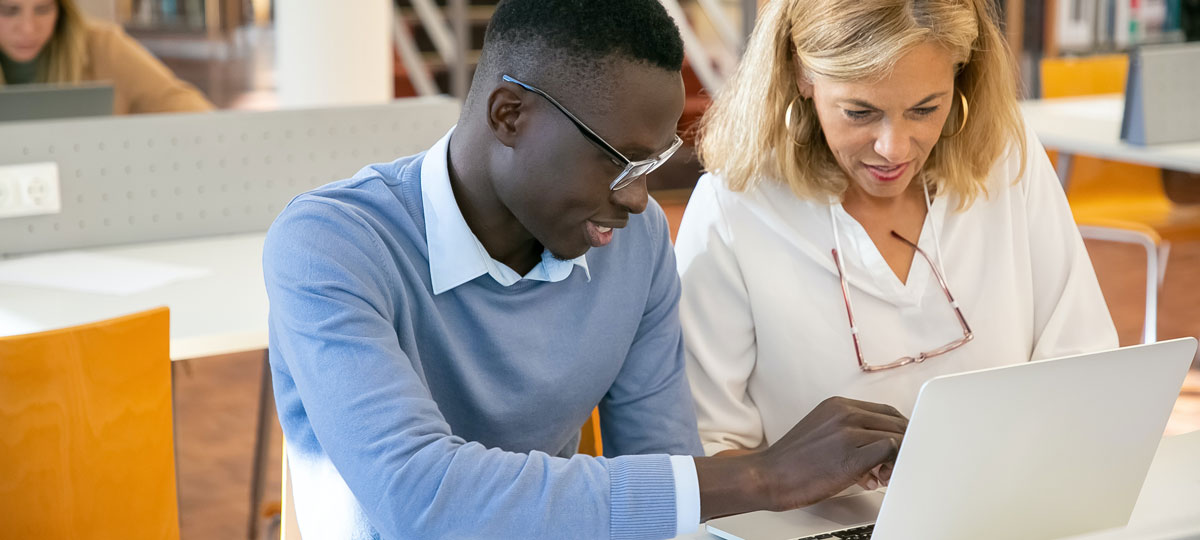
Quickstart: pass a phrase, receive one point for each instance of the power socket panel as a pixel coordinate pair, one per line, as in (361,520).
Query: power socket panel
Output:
(29,189)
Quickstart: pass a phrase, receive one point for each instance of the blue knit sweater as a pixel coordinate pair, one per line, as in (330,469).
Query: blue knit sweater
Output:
(410,415)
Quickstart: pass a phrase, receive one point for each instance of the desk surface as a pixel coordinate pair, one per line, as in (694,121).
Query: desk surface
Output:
(221,313)
(226,311)
(1167,507)
(1092,126)
(1172,488)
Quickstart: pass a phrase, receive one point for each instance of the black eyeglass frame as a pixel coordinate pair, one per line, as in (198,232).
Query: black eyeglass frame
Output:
(632,169)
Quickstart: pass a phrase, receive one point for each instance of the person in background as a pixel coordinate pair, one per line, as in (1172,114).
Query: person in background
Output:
(50,41)
(876,215)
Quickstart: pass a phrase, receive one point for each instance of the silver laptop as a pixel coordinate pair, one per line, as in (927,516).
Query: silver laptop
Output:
(1041,449)
(47,101)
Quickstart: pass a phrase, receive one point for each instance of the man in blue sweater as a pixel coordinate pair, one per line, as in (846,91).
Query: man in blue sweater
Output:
(441,327)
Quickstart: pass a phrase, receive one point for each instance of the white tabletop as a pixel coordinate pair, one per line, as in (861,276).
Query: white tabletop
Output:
(1092,126)
(223,312)
(1172,488)
(226,312)
(1168,507)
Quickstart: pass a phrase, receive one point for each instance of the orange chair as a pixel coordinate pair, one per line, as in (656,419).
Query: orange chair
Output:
(1117,201)
(86,445)
(589,441)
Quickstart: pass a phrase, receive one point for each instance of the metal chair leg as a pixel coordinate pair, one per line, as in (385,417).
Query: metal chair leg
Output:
(266,414)
(1063,167)
(1154,270)
(1150,329)
(1164,251)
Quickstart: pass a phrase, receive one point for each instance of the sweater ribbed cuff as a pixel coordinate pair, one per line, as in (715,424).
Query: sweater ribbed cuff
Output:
(642,495)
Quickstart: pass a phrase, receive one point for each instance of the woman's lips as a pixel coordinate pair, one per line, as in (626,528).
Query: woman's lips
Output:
(888,173)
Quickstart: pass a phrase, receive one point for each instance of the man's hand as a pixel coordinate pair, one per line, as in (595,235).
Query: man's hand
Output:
(877,478)
(840,442)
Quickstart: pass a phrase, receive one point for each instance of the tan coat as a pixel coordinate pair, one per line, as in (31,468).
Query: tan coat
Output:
(141,83)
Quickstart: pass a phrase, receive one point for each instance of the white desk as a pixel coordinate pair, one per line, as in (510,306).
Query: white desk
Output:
(221,313)
(1092,126)
(1172,488)
(1168,507)
(226,312)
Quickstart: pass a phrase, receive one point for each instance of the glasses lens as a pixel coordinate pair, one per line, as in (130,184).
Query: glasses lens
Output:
(639,169)
(623,179)
(632,173)
(663,157)
(658,163)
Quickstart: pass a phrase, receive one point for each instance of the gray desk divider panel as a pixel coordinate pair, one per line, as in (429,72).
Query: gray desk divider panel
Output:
(172,176)
(1161,95)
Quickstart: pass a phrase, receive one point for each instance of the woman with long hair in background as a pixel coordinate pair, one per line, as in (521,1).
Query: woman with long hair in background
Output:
(50,41)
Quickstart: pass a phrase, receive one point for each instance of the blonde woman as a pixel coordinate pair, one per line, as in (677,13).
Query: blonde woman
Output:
(50,41)
(876,215)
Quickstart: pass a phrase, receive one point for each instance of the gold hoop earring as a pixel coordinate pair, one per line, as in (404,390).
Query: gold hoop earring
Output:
(787,115)
(965,111)
(787,120)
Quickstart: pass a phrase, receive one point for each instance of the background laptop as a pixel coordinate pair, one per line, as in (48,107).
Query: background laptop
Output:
(1041,449)
(45,101)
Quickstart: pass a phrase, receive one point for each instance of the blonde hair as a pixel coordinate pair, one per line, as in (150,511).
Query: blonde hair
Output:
(63,56)
(743,136)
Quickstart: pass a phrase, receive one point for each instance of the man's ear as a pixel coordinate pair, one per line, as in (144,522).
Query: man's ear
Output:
(504,108)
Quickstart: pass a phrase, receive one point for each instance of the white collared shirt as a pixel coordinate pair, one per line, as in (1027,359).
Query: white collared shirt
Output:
(765,322)
(456,256)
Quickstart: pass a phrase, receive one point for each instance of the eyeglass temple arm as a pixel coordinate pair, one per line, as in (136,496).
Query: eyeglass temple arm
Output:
(941,281)
(837,260)
(587,131)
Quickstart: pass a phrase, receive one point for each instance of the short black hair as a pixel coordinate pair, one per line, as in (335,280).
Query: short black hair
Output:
(562,44)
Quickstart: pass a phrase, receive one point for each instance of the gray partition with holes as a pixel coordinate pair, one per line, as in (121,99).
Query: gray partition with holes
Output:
(171,176)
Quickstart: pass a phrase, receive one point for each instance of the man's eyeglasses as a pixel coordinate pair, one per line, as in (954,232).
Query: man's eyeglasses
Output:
(632,170)
(920,357)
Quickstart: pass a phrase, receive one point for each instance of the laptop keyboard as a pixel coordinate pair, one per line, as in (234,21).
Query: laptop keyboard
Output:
(859,533)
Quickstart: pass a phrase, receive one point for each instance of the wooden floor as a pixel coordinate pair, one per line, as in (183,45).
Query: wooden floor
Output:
(216,403)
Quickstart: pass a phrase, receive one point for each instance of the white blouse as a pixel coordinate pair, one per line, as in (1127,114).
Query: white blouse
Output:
(765,324)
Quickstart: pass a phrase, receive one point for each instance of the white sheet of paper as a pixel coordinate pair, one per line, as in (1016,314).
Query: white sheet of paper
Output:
(94,273)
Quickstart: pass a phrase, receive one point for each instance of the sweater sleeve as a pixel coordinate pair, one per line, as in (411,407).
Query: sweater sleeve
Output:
(141,82)
(1070,314)
(648,408)
(718,326)
(333,296)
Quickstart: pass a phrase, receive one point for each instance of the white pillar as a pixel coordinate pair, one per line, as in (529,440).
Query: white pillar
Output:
(333,53)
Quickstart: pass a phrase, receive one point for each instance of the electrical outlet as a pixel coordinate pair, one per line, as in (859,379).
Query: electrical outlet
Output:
(29,189)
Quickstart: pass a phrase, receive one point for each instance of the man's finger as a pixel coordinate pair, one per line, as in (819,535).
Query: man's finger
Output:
(880,422)
(878,408)
(877,448)
(885,472)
